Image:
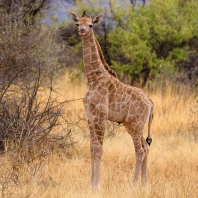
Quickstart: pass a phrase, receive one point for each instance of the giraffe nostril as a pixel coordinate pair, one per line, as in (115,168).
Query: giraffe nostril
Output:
(82,30)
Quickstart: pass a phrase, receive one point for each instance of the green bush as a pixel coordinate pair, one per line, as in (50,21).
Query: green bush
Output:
(153,38)
(147,40)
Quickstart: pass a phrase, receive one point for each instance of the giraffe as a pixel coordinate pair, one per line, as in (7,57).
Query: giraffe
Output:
(108,98)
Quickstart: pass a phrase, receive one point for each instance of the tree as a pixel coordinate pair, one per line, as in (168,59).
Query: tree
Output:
(146,41)
(23,8)
(152,39)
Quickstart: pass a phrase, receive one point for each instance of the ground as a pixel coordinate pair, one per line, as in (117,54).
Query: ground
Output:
(172,164)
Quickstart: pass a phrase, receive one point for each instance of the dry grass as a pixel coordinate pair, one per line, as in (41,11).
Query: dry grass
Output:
(172,167)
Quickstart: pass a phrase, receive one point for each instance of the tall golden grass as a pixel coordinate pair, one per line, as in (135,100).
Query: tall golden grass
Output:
(172,165)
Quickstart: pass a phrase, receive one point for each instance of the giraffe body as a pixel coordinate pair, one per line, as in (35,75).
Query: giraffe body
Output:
(109,99)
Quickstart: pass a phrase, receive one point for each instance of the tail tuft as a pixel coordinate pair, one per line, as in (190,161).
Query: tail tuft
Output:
(149,141)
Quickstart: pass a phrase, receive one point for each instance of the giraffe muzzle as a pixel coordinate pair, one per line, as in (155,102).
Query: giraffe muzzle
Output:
(82,31)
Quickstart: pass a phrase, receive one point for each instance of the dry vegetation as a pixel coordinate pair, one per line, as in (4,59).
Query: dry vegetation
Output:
(173,161)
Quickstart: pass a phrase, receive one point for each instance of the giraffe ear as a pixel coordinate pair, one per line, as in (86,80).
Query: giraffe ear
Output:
(74,17)
(97,20)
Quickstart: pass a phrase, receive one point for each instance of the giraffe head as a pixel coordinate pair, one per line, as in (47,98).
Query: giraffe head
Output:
(85,22)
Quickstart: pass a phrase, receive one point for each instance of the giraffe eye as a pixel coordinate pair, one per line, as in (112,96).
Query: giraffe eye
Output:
(77,24)
(90,26)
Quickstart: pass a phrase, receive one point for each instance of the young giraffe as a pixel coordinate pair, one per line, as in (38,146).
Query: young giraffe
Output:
(109,99)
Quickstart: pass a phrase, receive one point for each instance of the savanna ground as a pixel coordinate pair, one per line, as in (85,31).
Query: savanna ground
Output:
(172,165)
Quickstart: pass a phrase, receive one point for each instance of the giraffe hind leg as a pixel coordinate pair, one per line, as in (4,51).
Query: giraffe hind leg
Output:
(140,155)
(144,163)
(140,151)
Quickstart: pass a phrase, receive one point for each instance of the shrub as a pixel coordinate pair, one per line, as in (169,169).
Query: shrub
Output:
(152,38)
(29,112)
(147,41)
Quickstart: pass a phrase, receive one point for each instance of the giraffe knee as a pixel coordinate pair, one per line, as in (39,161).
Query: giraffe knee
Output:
(96,151)
(140,155)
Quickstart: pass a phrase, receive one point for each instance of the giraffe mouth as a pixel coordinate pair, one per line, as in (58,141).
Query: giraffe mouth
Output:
(82,33)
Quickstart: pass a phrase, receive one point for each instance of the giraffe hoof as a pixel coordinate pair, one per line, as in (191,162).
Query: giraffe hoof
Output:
(149,141)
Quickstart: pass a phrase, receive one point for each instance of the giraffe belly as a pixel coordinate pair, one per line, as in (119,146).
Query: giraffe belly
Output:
(117,114)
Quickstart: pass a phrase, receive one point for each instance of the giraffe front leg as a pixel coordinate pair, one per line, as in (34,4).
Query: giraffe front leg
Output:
(97,115)
(96,144)
(96,154)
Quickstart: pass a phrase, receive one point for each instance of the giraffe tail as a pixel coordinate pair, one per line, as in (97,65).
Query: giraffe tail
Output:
(149,139)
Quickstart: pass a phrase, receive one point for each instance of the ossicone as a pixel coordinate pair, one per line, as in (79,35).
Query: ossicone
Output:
(85,15)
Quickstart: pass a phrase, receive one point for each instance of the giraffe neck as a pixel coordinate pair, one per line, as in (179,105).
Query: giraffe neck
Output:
(103,60)
(93,65)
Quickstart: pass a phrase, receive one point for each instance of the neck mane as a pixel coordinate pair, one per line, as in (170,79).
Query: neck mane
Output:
(111,72)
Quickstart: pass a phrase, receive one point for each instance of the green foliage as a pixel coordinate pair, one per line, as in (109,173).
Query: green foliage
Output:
(152,39)
(92,7)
